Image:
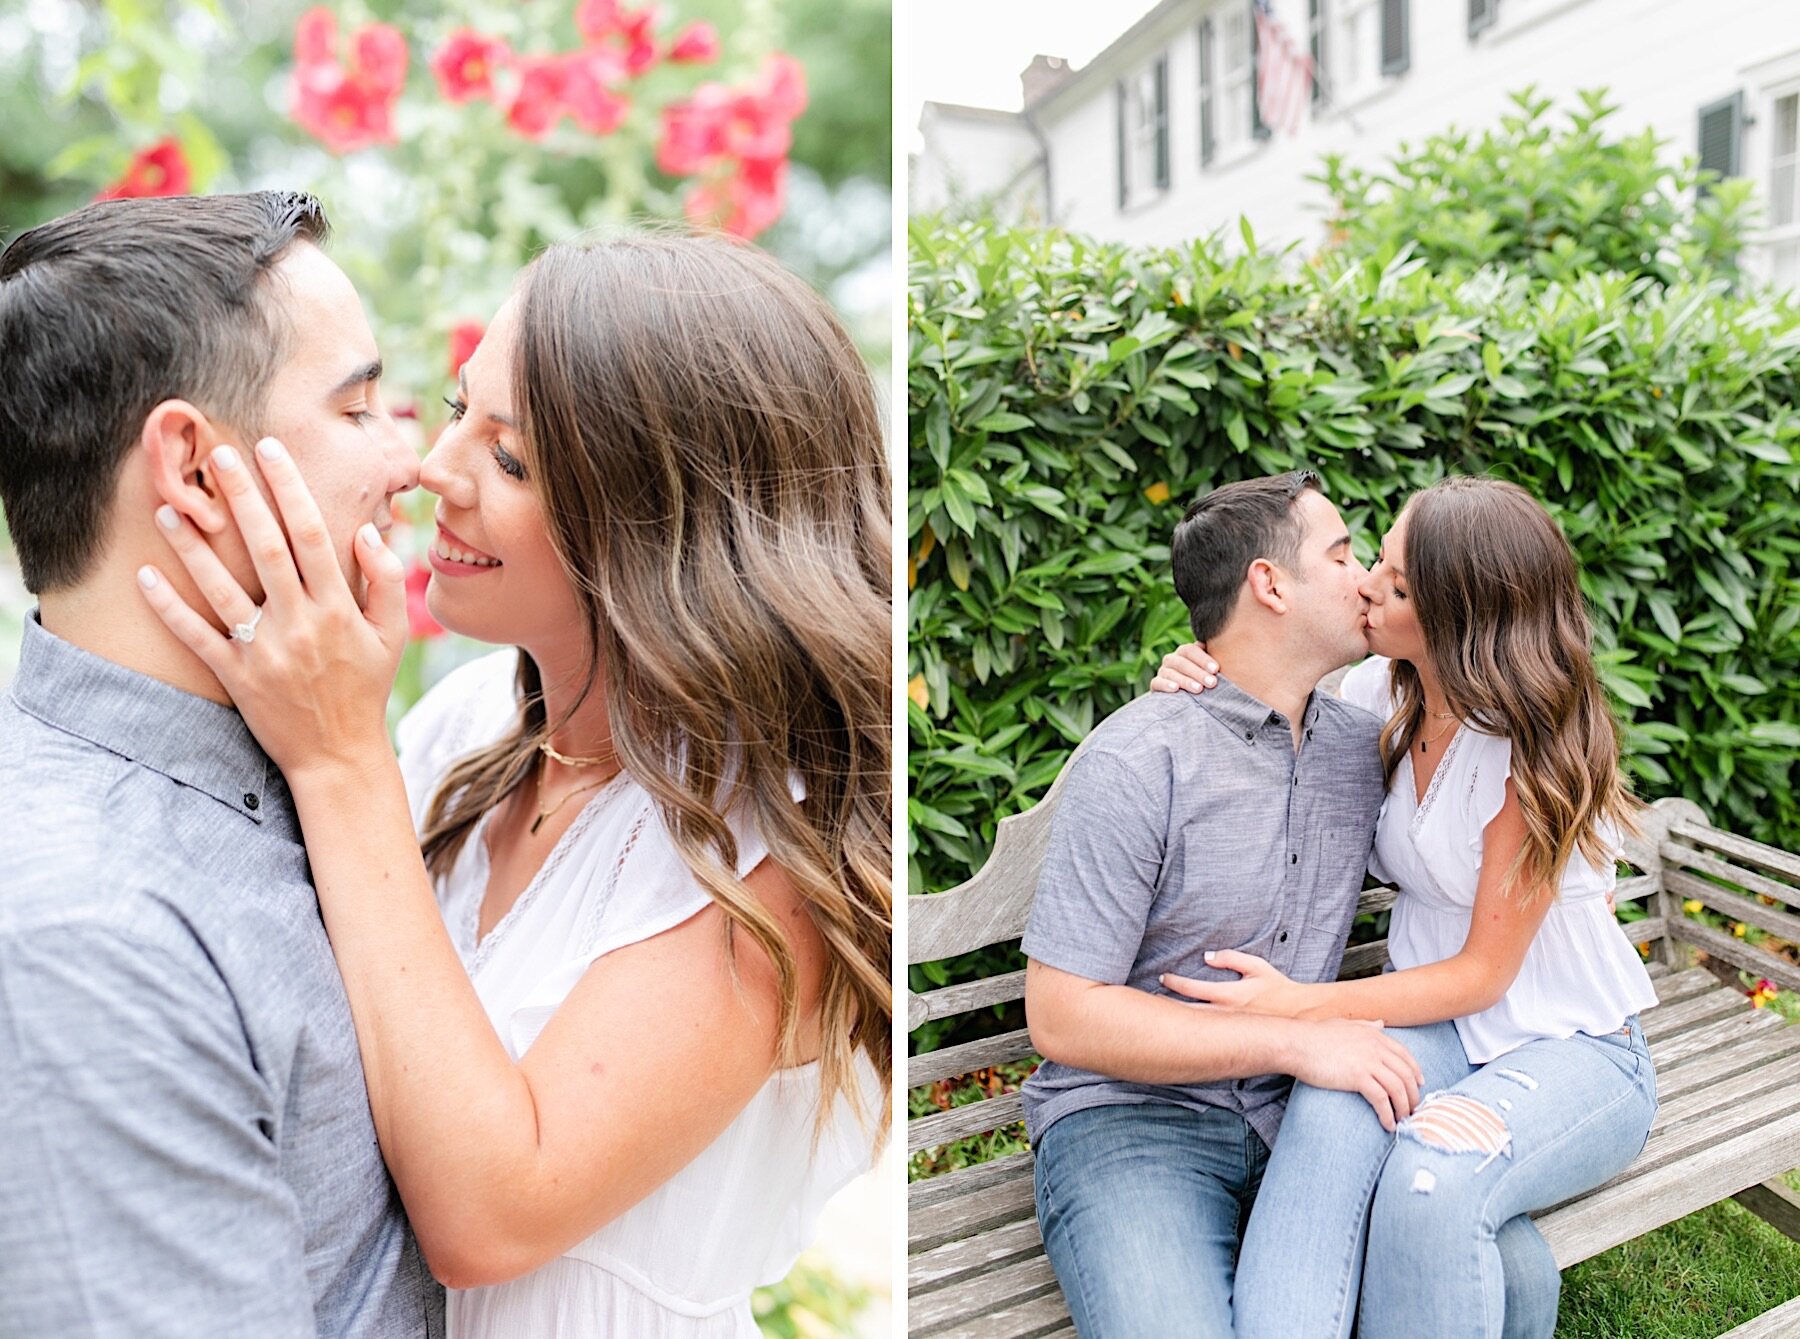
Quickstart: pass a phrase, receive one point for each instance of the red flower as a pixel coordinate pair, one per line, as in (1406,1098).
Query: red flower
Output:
(739,139)
(464,65)
(598,20)
(464,336)
(587,92)
(697,45)
(380,58)
(347,107)
(694,131)
(538,104)
(419,622)
(315,37)
(162,169)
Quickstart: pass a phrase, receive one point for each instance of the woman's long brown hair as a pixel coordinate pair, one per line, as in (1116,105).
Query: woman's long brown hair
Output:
(703,437)
(1493,583)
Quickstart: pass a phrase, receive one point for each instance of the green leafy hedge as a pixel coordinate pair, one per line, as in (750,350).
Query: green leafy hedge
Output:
(1068,398)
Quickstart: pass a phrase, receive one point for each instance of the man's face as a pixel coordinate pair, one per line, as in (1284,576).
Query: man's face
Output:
(324,403)
(1324,594)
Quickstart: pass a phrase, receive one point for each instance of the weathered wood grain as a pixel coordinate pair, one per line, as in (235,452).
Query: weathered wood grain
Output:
(1781,1323)
(1741,849)
(934,1311)
(1776,1204)
(1738,906)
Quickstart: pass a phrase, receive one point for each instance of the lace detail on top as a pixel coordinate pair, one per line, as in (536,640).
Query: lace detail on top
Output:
(598,915)
(1437,778)
(484,948)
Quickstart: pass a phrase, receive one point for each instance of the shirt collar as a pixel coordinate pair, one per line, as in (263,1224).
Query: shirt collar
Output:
(186,738)
(1245,716)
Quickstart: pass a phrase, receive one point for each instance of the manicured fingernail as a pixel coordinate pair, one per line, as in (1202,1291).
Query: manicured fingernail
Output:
(1211,682)
(371,536)
(147,578)
(1208,955)
(225,458)
(269,449)
(167,519)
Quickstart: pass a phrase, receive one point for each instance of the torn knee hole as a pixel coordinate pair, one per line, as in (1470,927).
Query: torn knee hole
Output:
(1458,1124)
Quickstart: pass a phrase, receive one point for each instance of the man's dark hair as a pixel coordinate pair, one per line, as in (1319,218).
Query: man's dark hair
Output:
(1227,530)
(104,314)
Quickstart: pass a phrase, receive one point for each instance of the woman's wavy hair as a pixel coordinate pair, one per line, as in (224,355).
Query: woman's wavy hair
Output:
(1493,583)
(703,438)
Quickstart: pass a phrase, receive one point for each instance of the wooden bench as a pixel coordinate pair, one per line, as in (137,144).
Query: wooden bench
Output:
(1728,1075)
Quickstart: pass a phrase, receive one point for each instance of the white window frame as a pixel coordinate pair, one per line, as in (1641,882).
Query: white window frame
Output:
(1774,249)
(1140,136)
(1352,50)
(1234,114)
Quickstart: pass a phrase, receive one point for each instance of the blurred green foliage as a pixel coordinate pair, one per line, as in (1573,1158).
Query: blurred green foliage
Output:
(1068,398)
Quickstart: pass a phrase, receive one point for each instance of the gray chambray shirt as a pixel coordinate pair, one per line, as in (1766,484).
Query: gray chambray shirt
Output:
(186,1148)
(1189,823)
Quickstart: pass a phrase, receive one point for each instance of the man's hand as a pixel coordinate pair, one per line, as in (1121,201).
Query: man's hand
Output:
(1354,1056)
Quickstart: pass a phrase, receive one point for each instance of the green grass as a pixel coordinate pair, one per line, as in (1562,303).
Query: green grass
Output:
(1693,1279)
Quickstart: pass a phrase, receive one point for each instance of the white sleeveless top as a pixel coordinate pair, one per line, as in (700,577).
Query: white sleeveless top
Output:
(681,1263)
(1580,973)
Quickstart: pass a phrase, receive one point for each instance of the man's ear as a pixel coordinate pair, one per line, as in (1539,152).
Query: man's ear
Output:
(1268,585)
(177,442)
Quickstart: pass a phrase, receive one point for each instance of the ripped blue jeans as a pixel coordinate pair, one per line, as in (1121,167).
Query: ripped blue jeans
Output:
(1440,1205)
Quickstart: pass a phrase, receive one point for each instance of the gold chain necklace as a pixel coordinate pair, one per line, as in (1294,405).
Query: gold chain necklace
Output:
(1439,716)
(543,814)
(563,758)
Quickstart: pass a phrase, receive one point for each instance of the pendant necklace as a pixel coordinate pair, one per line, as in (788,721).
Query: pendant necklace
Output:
(546,813)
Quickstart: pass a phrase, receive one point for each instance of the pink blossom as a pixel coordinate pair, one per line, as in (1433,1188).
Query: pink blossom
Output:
(379,58)
(697,44)
(538,104)
(315,37)
(587,91)
(465,64)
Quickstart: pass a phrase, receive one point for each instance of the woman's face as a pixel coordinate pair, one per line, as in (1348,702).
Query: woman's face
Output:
(495,575)
(1392,625)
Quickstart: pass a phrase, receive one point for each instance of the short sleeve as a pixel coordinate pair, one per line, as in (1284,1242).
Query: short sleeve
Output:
(140,1185)
(1368,686)
(1100,873)
(1490,765)
(469,707)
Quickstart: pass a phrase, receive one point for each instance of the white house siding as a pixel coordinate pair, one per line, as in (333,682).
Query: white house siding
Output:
(973,152)
(1662,60)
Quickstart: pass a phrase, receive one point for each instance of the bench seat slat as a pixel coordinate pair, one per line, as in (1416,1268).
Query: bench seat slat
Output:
(982,1177)
(1019,1281)
(989,1113)
(1617,1213)
(1736,905)
(1038,1318)
(1741,849)
(1781,1323)
(967,1058)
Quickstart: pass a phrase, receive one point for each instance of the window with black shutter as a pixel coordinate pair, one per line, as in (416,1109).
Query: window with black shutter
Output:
(1396,54)
(1721,130)
(1482,14)
(1206,92)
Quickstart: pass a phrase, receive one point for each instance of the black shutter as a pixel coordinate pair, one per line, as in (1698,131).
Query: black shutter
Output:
(1396,35)
(1315,27)
(1162,123)
(1124,174)
(1721,130)
(1482,14)
(1206,92)
(1257,128)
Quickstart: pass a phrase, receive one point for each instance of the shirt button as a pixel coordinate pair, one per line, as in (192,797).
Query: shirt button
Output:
(1282,938)
(1249,734)
(1294,859)
(250,800)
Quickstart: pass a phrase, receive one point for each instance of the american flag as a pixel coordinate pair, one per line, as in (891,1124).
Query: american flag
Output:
(1284,72)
